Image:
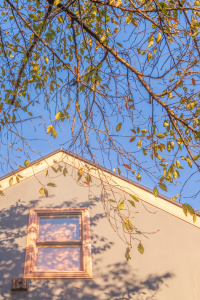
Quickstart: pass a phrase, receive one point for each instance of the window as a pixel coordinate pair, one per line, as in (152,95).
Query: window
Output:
(58,244)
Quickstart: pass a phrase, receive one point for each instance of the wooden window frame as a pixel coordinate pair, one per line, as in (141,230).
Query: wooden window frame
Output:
(33,243)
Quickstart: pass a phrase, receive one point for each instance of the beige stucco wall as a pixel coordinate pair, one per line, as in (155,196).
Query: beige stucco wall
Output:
(168,269)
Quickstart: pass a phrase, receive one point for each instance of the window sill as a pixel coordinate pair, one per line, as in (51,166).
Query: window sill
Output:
(67,274)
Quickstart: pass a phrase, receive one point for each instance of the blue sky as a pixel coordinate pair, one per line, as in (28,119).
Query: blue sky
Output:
(39,137)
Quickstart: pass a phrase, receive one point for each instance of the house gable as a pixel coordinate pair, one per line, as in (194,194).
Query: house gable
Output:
(117,181)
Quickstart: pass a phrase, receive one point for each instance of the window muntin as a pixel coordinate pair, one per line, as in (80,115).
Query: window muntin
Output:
(58,244)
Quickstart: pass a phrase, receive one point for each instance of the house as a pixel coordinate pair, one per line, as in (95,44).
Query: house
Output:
(74,229)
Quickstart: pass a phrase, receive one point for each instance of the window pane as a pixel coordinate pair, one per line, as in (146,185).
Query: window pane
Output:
(59,229)
(58,259)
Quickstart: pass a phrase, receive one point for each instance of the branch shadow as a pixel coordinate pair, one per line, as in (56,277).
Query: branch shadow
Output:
(115,281)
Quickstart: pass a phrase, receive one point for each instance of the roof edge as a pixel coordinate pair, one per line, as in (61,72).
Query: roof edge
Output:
(95,165)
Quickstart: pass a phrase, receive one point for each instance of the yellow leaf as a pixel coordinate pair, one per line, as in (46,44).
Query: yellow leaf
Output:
(26,163)
(57,116)
(120,205)
(80,172)
(41,191)
(49,128)
(119,2)
(46,173)
(151,43)
(46,60)
(56,2)
(159,37)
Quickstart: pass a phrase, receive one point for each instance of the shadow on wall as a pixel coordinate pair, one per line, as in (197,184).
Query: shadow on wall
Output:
(118,281)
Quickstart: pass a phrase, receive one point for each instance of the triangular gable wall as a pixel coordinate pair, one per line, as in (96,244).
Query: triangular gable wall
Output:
(121,182)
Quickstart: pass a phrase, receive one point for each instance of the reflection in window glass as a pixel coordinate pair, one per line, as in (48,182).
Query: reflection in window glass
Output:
(58,259)
(60,229)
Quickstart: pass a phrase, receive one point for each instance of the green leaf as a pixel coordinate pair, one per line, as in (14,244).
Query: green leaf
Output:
(132,202)
(54,133)
(119,171)
(138,177)
(185,210)
(54,169)
(163,186)
(86,112)
(140,248)
(155,192)
(111,200)
(32,16)
(119,126)
(46,192)
(118,44)
(133,130)
(65,171)
(51,184)
(120,205)
(160,135)
(3,72)
(88,178)
(128,224)
(128,253)
(11,181)
(46,173)
(144,151)
(1,193)
(134,197)
(26,163)
(60,19)
(194,218)
(190,209)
